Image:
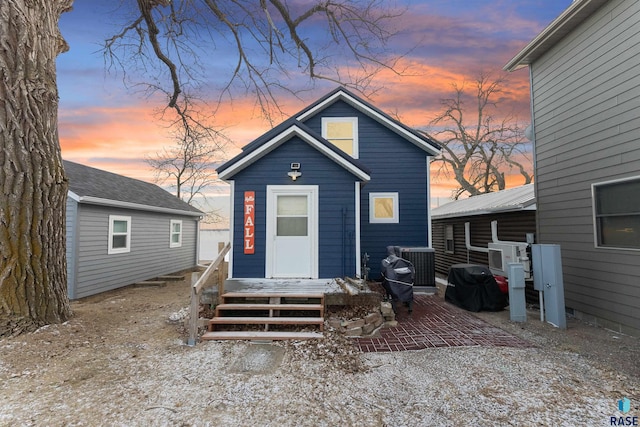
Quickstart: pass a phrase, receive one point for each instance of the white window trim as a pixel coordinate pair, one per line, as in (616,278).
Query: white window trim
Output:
(171,232)
(595,213)
(127,248)
(354,123)
(396,208)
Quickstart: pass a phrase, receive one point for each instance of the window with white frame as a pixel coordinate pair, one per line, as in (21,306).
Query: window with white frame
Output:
(616,207)
(342,132)
(119,234)
(383,208)
(448,239)
(175,234)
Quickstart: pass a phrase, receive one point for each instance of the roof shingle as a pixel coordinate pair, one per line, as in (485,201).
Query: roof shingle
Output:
(92,183)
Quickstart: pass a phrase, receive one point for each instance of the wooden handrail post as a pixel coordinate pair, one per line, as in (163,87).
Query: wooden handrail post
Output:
(222,271)
(194,310)
(197,283)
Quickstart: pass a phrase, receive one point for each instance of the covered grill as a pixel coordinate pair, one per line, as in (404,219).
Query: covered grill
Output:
(474,288)
(398,276)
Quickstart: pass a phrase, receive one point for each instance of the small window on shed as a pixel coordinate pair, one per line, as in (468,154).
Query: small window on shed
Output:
(342,132)
(448,239)
(119,234)
(175,234)
(616,206)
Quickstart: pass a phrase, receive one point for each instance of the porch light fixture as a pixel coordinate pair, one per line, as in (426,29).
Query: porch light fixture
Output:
(295,171)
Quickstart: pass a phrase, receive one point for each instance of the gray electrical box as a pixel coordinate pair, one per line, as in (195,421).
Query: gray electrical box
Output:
(517,302)
(547,277)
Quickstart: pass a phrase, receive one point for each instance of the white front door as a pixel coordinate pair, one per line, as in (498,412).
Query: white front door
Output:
(292,231)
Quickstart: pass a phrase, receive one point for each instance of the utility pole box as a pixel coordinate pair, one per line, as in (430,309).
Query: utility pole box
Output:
(547,277)
(517,302)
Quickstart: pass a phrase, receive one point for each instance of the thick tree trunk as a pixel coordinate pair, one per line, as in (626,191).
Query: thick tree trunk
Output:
(33,187)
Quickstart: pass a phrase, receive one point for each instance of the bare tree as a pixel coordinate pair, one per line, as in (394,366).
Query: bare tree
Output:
(188,167)
(478,148)
(273,40)
(33,275)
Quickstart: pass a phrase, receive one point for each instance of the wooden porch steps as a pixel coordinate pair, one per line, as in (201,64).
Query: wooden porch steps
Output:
(267,320)
(249,306)
(260,335)
(243,311)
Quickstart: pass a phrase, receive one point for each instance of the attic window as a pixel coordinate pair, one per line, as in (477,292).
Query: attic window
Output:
(342,132)
(119,234)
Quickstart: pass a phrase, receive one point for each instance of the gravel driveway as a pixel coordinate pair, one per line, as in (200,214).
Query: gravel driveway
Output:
(120,362)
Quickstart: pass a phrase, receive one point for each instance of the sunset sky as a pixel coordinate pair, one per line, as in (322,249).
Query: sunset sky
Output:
(105,125)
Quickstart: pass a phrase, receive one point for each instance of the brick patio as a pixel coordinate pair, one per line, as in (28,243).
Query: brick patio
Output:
(436,323)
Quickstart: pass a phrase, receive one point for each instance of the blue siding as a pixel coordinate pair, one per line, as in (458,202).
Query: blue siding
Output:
(336,208)
(396,166)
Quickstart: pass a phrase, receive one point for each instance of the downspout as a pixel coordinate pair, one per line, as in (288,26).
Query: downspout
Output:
(494,235)
(467,240)
(535,172)
(429,224)
(533,145)
(197,254)
(344,241)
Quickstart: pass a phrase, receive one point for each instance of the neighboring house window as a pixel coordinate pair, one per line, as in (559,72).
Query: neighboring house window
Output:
(175,234)
(383,208)
(616,206)
(119,234)
(342,132)
(448,239)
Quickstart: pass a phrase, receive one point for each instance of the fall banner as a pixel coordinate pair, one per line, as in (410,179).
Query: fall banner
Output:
(249,221)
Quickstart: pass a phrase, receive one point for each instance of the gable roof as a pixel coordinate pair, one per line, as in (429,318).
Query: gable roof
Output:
(342,94)
(509,200)
(573,16)
(98,187)
(278,136)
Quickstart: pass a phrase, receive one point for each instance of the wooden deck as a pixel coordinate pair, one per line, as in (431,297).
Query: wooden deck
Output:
(281,286)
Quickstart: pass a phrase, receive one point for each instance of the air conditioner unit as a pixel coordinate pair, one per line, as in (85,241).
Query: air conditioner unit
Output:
(424,262)
(503,254)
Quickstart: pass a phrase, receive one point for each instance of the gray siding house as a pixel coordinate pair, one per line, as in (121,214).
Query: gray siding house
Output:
(121,230)
(585,91)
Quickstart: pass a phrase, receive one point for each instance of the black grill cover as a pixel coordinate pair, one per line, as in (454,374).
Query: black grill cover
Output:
(474,288)
(397,276)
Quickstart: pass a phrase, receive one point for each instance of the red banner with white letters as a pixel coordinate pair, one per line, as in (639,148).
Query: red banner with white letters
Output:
(249,221)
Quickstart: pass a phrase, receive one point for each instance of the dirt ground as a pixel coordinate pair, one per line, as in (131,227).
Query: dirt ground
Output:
(120,359)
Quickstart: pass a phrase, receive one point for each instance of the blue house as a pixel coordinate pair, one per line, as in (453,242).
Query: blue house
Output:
(335,181)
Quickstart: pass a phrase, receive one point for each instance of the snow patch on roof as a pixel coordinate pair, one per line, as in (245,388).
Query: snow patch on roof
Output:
(512,199)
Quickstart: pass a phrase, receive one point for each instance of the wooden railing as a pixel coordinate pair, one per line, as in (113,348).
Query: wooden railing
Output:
(198,283)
